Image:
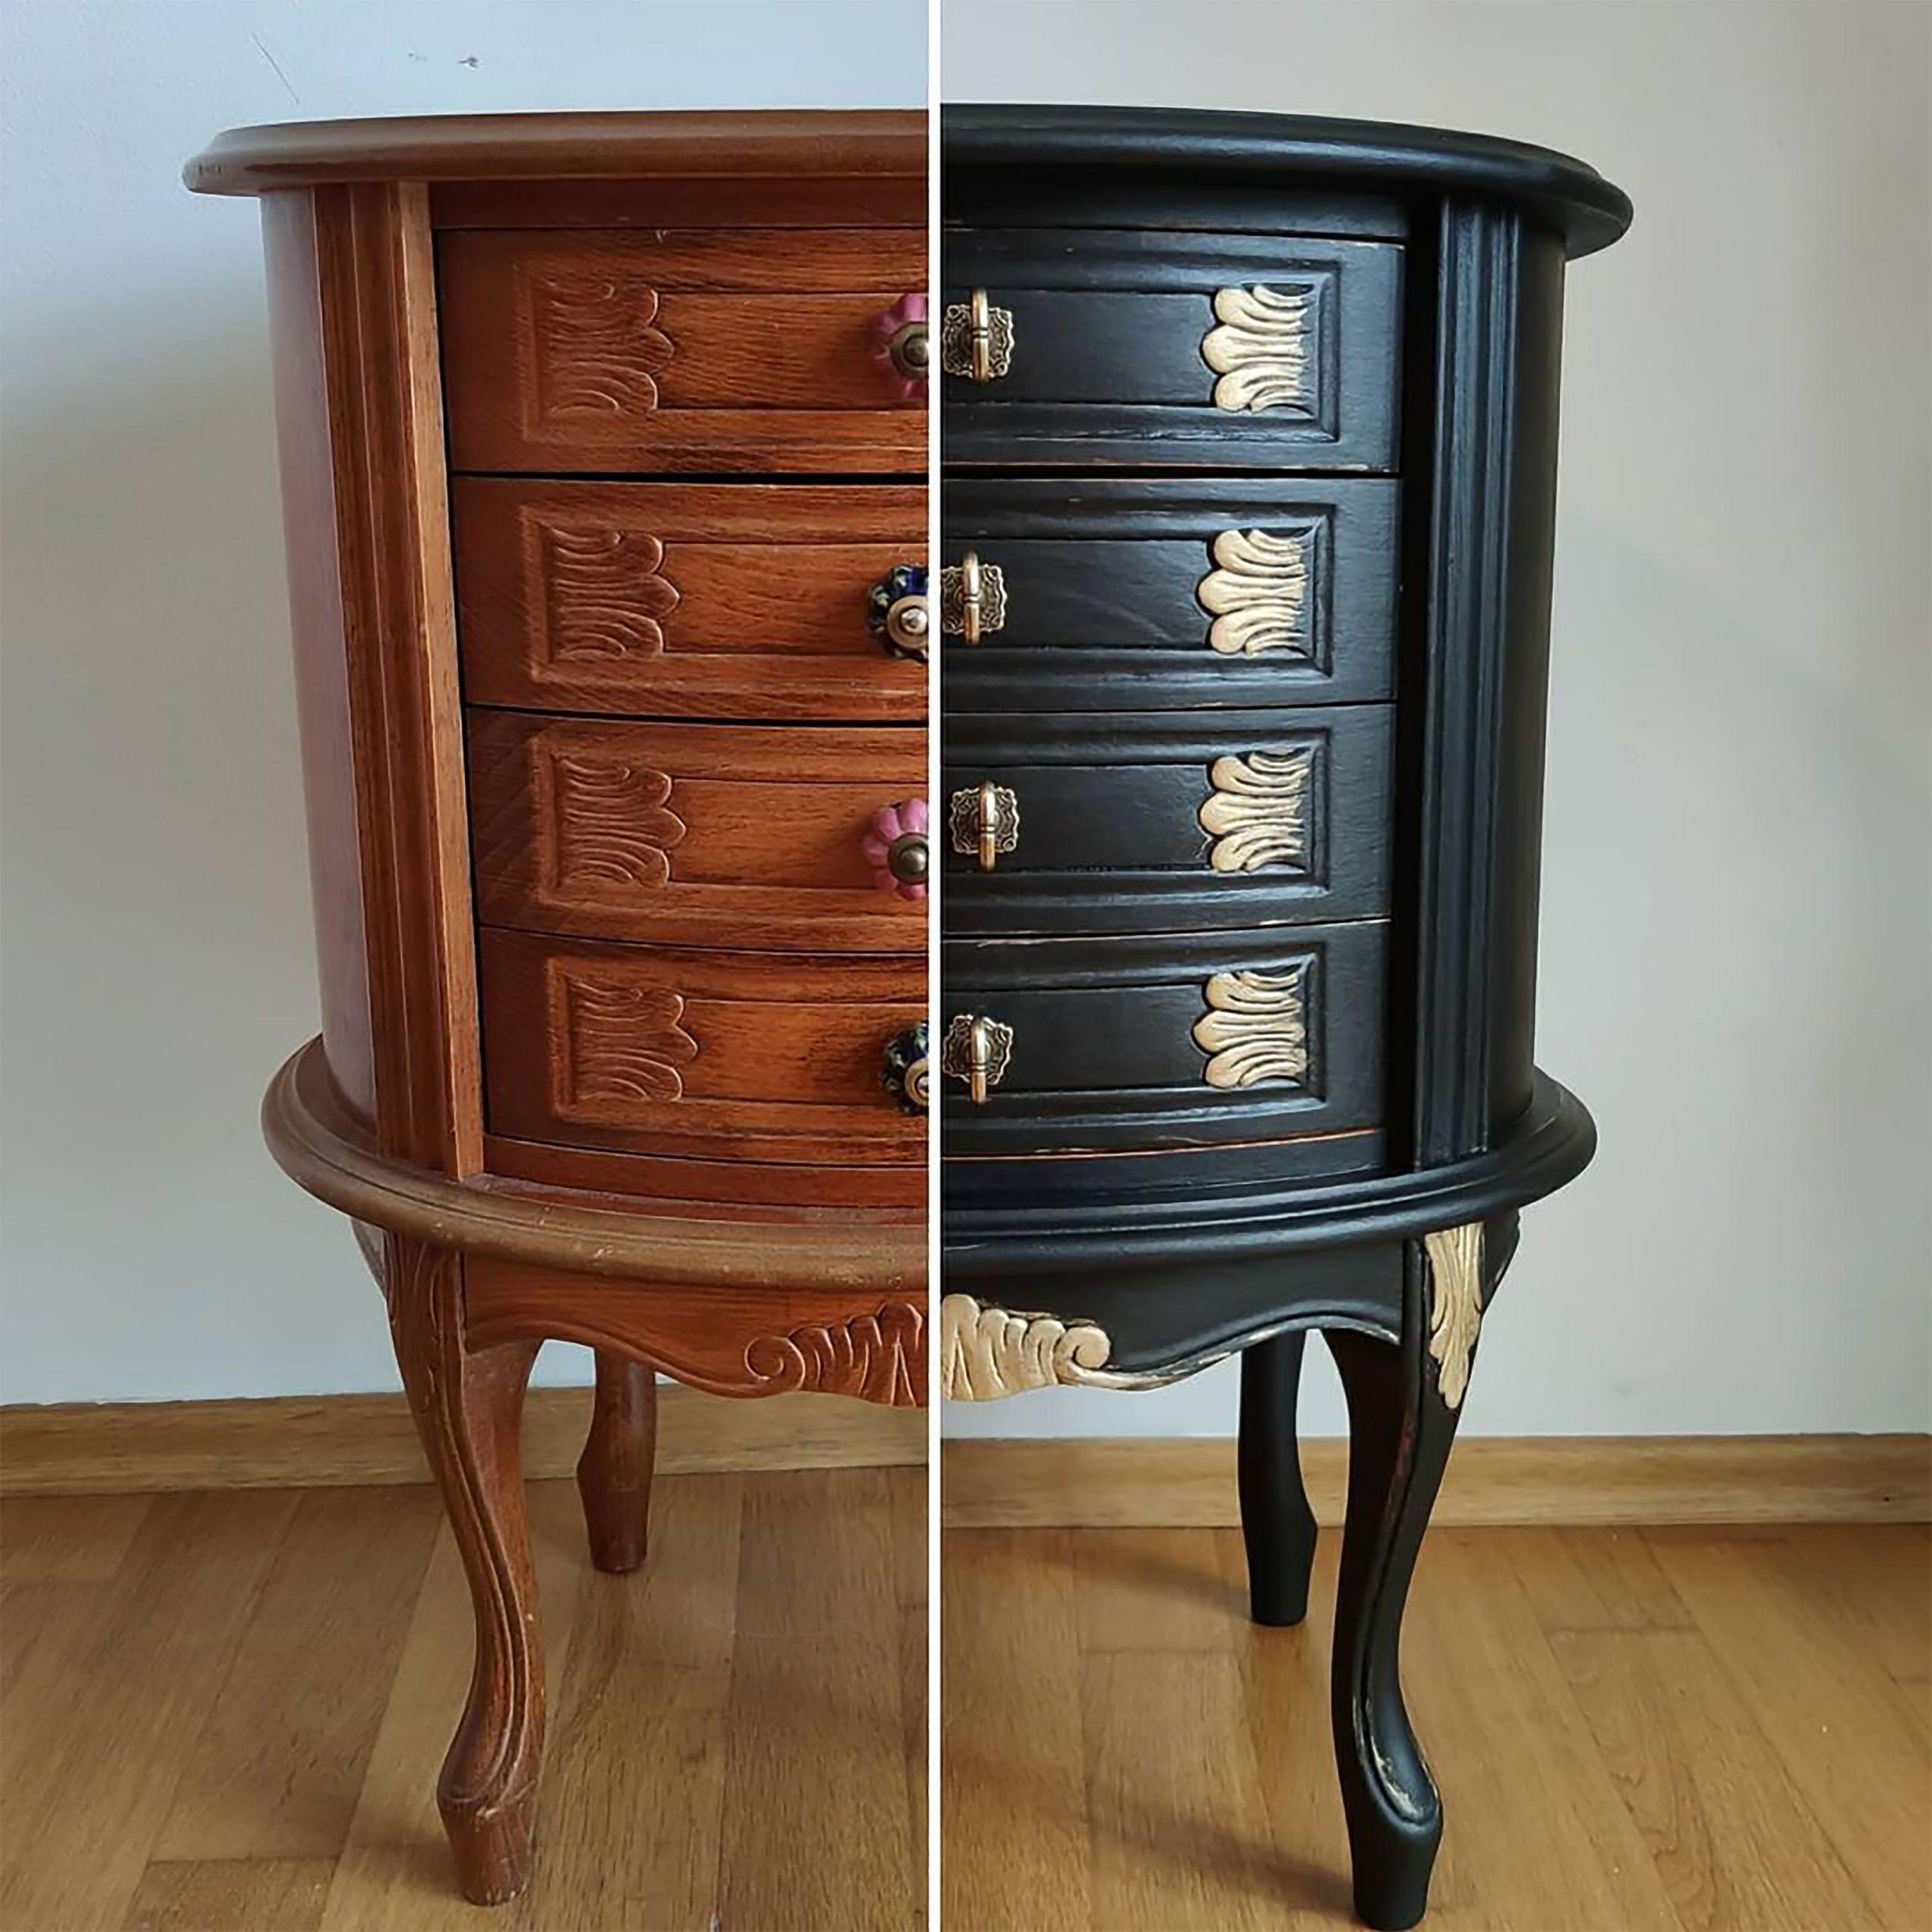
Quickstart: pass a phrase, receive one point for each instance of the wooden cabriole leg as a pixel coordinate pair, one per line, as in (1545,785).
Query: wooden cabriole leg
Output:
(1401,1430)
(1277,1525)
(613,1473)
(469,1409)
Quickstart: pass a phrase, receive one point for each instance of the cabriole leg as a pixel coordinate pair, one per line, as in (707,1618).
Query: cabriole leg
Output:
(469,1411)
(1400,1429)
(613,1473)
(1277,1525)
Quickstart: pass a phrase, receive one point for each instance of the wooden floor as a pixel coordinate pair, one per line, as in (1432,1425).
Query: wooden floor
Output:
(225,1713)
(1693,1728)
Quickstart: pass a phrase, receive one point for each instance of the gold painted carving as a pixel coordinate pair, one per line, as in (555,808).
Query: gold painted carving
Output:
(1255,1028)
(985,1353)
(1257,594)
(1259,348)
(1455,1312)
(1257,813)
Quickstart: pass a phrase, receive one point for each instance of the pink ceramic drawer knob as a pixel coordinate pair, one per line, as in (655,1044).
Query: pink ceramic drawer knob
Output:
(895,848)
(900,347)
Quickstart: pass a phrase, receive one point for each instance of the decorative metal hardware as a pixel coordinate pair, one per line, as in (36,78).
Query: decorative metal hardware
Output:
(897,613)
(982,822)
(900,347)
(972,598)
(1259,348)
(977,1050)
(1257,594)
(1455,1318)
(976,339)
(1255,1028)
(895,847)
(906,1070)
(1259,811)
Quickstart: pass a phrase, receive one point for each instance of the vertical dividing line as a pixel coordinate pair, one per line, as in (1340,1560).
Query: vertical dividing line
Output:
(935,893)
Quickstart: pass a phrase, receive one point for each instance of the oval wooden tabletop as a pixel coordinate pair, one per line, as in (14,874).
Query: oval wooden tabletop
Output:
(745,142)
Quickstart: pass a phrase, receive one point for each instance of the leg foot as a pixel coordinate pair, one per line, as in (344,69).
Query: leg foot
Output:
(1277,1525)
(613,1473)
(469,1411)
(1401,1431)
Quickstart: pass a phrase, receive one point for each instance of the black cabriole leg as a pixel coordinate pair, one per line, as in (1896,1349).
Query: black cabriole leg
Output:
(1277,1525)
(1400,1432)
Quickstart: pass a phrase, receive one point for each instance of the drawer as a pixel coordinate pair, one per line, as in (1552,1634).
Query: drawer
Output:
(746,600)
(1159,347)
(728,350)
(1114,823)
(1103,594)
(1148,1042)
(753,836)
(717,1056)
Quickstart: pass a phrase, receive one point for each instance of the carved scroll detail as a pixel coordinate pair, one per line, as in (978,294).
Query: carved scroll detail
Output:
(1260,348)
(603,593)
(604,823)
(1256,1027)
(1455,1315)
(1258,811)
(619,1044)
(879,1357)
(985,1353)
(1257,594)
(597,350)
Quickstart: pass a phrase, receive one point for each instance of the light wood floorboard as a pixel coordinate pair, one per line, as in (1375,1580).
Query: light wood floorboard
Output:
(225,1712)
(1690,1730)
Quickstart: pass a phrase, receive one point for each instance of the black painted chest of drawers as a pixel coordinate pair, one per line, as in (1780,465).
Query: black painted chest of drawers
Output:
(1249,431)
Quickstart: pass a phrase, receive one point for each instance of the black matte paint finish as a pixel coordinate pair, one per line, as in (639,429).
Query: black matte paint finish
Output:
(1104,1180)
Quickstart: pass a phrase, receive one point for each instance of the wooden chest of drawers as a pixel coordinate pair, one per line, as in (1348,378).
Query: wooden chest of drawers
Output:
(1248,435)
(613,736)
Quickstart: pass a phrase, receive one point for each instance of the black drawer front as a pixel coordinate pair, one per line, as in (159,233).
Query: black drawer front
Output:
(1149,1043)
(1120,823)
(1112,594)
(1157,347)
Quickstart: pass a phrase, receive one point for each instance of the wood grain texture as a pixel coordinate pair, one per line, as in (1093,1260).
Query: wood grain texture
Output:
(733,349)
(113,1454)
(676,201)
(1124,1750)
(1189,1482)
(587,1047)
(613,1474)
(610,830)
(692,600)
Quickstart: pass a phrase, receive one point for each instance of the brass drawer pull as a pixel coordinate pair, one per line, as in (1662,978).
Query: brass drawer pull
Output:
(895,612)
(975,339)
(977,1050)
(906,1071)
(983,822)
(972,598)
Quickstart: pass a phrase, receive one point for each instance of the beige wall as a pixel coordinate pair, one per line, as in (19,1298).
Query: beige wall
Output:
(1735,962)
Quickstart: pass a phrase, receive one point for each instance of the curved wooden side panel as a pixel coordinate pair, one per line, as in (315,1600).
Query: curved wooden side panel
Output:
(729,1341)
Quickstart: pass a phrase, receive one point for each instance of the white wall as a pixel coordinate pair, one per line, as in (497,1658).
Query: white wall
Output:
(157,959)
(1735,948)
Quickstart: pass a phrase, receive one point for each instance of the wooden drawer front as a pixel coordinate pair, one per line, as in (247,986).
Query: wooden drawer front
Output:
(1215,349)
(1139,821)
(1147,1042)
(744,349)
(744,600)
(745,836)
(1110,594)
(756,1057)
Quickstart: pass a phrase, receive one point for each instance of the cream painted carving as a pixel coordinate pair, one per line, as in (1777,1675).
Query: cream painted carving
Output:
(1257,594)
(985,1353)
(1259,348)
(1455,1310)
(620,1045)
(598,352)
(1255,1028)
(602,594)
(603,824)
(1257,813)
